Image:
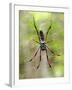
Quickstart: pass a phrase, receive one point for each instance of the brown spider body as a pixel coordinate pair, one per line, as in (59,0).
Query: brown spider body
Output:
(42,41)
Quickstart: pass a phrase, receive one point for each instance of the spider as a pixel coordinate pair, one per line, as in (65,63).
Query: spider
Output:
(43,44)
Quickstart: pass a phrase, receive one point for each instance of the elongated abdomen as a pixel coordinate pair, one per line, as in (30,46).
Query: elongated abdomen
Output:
(41,35)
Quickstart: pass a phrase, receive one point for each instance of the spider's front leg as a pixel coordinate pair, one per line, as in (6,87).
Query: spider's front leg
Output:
(48,59)
(39,60)
(34,55)
(52,51)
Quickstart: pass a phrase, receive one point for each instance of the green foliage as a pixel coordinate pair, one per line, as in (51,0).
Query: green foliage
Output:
(27,33)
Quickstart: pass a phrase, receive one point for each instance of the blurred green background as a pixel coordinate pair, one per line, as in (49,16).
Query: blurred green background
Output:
(27,47)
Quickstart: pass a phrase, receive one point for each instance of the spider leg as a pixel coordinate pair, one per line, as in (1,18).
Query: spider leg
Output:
(48,59)
(48,41)
(36,28)
(52,51)
(34,55)
(39,60)
(36,41)
(48,32)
